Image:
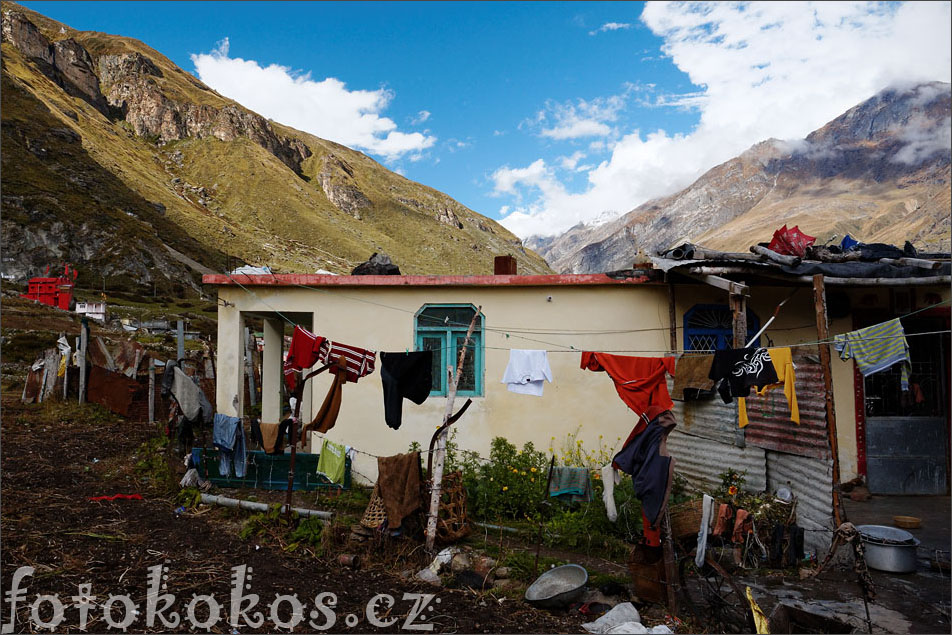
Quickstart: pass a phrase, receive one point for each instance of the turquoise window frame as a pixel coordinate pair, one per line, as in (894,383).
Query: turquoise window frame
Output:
(449,350)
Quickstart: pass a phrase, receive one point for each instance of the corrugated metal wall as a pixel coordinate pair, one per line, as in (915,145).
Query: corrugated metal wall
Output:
(770,426)
(709,418)
(701,460)
(811,481)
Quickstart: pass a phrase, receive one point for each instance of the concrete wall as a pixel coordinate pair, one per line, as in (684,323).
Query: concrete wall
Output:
(382,319)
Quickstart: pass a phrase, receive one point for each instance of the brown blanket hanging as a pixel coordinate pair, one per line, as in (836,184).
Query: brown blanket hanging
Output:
(326,417)
(398,482)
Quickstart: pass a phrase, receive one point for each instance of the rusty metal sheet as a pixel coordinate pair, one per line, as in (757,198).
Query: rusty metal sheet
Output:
(770,425)
(701,460)
(98,354)
(112,390)
(128,355)
(31,390)
(811,480)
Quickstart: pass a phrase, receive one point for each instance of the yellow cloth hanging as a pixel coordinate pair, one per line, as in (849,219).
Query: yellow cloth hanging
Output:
(760,620)
(782,359)
(62,366)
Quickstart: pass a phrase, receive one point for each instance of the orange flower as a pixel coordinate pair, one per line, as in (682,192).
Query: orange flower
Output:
(732,490)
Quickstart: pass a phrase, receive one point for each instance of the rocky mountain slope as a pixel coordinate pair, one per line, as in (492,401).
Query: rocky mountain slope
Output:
(880,171)
(118,161)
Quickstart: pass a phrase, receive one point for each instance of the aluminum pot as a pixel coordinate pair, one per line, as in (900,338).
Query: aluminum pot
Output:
(889,549)
(558,587)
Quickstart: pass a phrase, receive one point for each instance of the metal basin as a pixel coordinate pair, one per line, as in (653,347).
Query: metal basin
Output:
(888,548)
(558,587)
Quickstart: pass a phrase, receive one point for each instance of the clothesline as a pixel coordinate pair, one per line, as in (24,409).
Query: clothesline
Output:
(569,348)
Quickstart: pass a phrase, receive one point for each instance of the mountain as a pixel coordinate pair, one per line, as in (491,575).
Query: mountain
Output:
(121,163)
(880,172)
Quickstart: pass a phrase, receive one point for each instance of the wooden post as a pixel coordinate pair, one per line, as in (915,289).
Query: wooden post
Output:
(453,382)
(250,368)
(672,318)
(83,343)
(823,334)
(65,371)
(180,338)
(670,570)
(151,390)
(738,305)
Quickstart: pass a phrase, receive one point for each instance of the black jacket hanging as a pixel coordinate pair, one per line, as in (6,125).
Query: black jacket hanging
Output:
(404,375)
(738,369)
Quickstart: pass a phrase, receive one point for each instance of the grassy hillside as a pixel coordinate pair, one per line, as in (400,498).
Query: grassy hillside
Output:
(219,193)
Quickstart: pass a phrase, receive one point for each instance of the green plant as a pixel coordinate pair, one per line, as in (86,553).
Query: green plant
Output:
(511,484)
(309,532)
(189,497)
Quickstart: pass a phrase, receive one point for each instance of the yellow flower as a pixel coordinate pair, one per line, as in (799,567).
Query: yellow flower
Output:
(515,471)
(523,472)
(532,480)
(532,469)
(732,490)
(505,488)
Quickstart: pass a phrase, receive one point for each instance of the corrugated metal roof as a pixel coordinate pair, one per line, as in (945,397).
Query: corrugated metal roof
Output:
(811,481)
(701,460)
(770,426)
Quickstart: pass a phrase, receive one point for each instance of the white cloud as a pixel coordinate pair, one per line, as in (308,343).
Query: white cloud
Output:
(610,26)
(581,118)
(422,116)
(763,70)
(324,108)
(571,162)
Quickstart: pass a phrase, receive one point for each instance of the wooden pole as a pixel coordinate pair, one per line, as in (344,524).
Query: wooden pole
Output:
(435,486)
(738,305)
(151,390)
(180,339)
(670,570)
(823,334)
(672,318)
(83,343)
(250,368)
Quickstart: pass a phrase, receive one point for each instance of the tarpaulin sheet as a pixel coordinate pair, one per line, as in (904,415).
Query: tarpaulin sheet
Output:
(864,270)
(112,390)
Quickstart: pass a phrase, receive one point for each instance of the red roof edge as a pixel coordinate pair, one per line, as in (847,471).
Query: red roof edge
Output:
(321,280)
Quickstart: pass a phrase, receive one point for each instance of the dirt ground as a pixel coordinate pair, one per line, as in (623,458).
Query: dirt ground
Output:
(51,467)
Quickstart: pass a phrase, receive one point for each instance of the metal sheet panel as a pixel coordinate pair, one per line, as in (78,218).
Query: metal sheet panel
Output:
(112,390)
(770,426)
(708,418)
(98,354)
(701,460)
(811,481)
(906,455)
(127,356)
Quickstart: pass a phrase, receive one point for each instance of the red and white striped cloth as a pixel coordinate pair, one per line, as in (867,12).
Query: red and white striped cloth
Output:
(360,361)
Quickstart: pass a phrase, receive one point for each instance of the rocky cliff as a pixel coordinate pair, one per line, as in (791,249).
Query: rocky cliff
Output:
(880,171)
(114,158)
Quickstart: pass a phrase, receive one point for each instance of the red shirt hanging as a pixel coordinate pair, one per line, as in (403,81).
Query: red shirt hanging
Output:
(640,381)
(303,353)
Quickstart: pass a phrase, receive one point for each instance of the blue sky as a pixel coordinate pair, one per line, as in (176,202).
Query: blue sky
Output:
(541,114)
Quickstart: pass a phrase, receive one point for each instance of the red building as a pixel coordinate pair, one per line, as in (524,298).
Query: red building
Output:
(56,292)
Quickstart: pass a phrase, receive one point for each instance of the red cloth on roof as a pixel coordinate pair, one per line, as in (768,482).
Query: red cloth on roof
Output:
(640,381)
(791,242)
(360,361)
(303,353)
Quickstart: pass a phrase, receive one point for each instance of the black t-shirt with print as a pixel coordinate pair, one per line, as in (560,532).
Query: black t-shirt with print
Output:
(737,370)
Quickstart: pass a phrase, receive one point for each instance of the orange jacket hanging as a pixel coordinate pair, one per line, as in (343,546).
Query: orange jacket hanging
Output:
(640,381)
